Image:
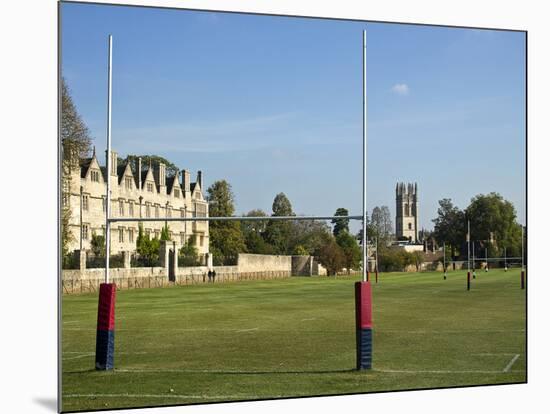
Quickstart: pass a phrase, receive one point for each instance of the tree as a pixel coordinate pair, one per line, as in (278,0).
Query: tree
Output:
(281,206)
(165,233)
(226,237)
(309,234)
(146,160)
(278,233)
(494,218)
(98,245)
(75,144)
(340,225)
(147,249)
(350,249)
(387,224)
(253,233)
(331,257)
(450,226)
(188,253)
(300,250)
(377,222)
(381,223)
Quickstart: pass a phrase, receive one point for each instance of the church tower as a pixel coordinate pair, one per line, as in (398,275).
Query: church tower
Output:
(406,211)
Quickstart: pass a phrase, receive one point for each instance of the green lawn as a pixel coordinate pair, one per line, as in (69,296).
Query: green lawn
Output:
(295,337)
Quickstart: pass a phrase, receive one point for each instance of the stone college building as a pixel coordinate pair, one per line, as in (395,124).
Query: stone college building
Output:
(136,191)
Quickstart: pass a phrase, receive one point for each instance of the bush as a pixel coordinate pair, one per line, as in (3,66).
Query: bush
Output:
(95,262)
(396,260)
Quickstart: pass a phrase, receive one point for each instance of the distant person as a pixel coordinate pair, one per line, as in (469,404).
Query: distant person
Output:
(204,277)
(213,276)
(209,276)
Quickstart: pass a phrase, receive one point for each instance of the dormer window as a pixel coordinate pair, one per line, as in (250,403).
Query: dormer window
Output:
(176,193)
(150,187)
(128,182)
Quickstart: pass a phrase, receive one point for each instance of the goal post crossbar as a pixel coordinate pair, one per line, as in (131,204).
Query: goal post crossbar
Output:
(231,218)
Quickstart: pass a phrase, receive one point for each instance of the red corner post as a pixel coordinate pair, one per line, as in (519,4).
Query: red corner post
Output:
(363,319)
(105,339)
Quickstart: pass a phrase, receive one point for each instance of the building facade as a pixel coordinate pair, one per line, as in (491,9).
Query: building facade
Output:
(136,191)
(406,212)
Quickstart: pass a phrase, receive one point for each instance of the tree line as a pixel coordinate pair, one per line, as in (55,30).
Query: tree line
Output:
(493,226)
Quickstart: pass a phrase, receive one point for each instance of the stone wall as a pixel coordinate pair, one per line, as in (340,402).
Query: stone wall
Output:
(264,262)
(249,267)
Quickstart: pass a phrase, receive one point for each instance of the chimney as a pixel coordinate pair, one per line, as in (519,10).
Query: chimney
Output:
(162,174)
(199,178)
(139,173)
(114,167)
(185,181)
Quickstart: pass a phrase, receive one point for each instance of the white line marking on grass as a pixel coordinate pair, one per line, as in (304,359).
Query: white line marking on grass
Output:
(512,361)
(495,354)
(309,319)
(79,356)
(160,313)
(397,371)
(423,332)
(247,330)
(216,397)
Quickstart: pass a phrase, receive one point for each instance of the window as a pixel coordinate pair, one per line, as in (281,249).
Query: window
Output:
(128,183)
(176,193)
(121,234)
(150,187)
(148,232)
(182,238)
(104,204)
(200,209)
(157,234)
(406,209)
(182,212)
(131,208)
(202,241)
(147,210)
(94,175)
(85,202)
(121,207)
(410,226)
(131,235)
(156,211)
(85,230)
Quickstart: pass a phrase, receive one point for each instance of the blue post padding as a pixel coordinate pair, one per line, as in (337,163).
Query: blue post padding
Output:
(105,350)
(364,348)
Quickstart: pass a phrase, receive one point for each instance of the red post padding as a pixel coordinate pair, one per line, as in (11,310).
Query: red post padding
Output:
(363,305)
(106,308)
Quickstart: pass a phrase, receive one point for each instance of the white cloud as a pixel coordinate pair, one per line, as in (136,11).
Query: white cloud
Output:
(400,89)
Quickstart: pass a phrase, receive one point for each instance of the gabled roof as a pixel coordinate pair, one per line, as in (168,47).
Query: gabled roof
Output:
(84,166)
(125,170)
(171,183)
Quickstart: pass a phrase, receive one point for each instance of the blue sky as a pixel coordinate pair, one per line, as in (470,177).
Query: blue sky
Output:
(274,104)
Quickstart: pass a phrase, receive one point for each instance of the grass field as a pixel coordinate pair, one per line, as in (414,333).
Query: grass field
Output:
(295,337)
